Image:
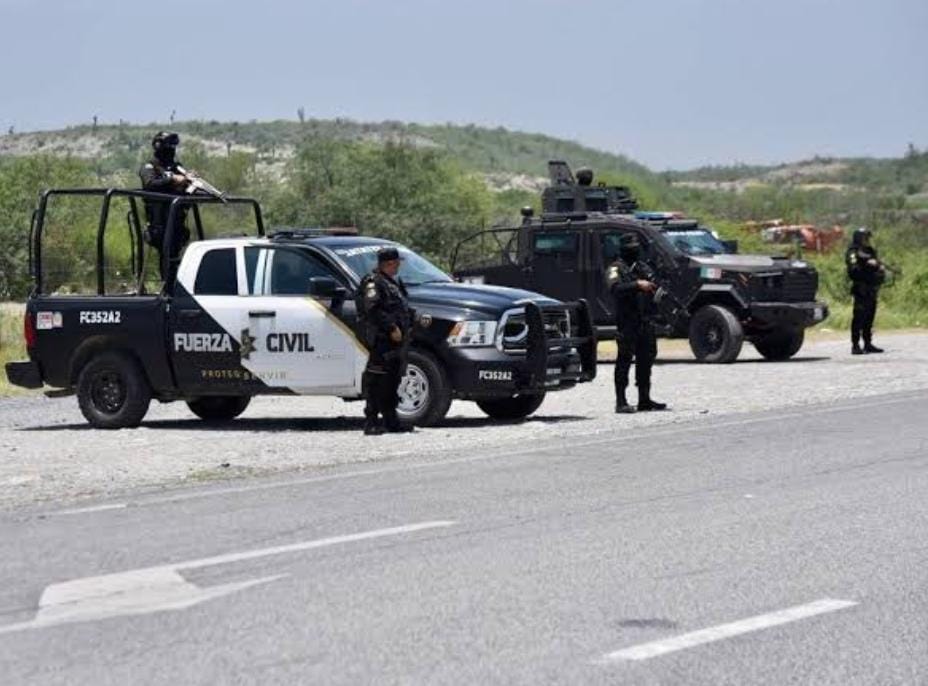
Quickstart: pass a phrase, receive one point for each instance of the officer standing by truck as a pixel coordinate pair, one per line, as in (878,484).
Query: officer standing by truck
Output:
(867,275)
(386,319)
(161,174)
(630,284)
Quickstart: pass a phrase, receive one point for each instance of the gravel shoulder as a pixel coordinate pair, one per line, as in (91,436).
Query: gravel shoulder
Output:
(48,453)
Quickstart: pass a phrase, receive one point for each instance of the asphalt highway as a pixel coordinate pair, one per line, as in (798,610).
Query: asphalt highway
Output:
(786,546)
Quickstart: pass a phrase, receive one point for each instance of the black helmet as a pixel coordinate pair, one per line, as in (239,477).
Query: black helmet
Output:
(165,138)
(861,233)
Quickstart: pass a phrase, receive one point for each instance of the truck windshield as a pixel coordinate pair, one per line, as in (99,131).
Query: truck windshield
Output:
(695,242)
(415,270)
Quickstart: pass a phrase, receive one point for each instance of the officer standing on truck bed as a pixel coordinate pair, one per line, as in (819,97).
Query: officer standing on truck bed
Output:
(161,175)
(867,275)
(386,320)
(630,284)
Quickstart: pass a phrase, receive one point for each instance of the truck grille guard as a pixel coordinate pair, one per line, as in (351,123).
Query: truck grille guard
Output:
(548,329)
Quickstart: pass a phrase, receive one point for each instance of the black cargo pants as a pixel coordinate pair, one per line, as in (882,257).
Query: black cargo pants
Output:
(638,345)
(381,384)
(864,313)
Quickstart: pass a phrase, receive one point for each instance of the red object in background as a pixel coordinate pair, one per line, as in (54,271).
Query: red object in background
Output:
(813,238)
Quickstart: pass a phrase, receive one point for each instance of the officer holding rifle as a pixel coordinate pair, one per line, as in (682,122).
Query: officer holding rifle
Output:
(631,282)
(163,174)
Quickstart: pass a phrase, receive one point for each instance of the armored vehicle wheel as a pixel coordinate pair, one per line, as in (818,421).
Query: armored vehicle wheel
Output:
(781,344)
(220,408)
(517,407)
(716,335)
(112,391)
(424,392)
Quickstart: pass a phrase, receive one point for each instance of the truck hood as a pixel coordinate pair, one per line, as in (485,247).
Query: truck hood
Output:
(492,300)
(740,263)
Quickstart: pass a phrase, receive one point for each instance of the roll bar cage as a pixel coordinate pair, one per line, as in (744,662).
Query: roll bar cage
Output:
(177,202)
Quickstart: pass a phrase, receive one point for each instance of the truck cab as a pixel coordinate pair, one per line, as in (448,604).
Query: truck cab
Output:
(254,314)
(717,298)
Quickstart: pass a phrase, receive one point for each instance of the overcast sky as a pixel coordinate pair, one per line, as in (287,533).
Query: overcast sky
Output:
(671,83)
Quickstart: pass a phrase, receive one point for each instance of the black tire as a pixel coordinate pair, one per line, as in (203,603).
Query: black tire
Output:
(516,407)
(112,391)
(716,335)
(219,408)
(425,394)
(781,344)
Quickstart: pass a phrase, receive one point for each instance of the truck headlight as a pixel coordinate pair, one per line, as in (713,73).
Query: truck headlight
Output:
(472,334)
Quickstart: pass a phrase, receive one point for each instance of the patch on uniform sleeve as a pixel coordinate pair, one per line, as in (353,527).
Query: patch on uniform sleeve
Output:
(612,274)
(370,291)
(852,258)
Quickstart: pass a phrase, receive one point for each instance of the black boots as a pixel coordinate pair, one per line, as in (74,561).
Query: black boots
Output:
(645,404)
(621,403)
(868,348)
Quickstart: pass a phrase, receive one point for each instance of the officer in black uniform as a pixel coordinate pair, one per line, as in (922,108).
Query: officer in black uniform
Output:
(160,174)
(629,284)
(387,320)
(867,275)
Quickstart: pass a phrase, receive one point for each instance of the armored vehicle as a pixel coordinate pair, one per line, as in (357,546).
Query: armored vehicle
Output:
(714,297)
(255,314)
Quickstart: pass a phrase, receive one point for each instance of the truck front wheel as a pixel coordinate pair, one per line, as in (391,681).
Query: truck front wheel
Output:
(780,344)
(424,392)
(716,335)
(112,391)
(219,408)
(516,407)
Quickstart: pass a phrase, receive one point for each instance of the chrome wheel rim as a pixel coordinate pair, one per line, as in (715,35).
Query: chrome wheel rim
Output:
(413,392)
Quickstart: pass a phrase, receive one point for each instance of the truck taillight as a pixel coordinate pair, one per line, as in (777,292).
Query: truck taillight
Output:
(29,330)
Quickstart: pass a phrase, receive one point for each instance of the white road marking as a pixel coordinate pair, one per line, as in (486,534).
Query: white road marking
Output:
(646,651)
(84,510)
(157,589)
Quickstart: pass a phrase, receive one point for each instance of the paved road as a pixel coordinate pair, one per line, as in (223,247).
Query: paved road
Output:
(772,547)
(49,453)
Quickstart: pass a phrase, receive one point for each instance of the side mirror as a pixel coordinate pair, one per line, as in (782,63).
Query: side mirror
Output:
(324,287)
(731,247)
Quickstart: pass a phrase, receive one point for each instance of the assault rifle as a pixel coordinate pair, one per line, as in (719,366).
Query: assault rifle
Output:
(664,299)
(197,183)
(890,274)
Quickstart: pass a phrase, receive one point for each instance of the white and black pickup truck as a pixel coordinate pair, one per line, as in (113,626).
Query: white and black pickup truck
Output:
(276,315)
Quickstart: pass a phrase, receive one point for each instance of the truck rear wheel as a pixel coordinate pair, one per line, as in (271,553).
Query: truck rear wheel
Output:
(112,391)
(516,407)
(780,344)
(716,335)
(424,392)
(219,408)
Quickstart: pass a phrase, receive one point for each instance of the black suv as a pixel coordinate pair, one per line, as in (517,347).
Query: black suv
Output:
(722,298)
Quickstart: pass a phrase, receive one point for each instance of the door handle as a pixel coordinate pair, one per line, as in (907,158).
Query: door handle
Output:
(262,313)
(192,313)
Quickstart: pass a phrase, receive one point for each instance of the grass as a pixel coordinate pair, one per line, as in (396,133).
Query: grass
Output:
(12,346)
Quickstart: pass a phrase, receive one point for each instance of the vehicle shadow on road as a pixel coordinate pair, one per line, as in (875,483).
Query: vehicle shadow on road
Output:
(482,422)
(307,424)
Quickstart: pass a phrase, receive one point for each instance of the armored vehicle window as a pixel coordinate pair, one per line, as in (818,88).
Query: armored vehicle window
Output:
(556,243)
(216,275)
